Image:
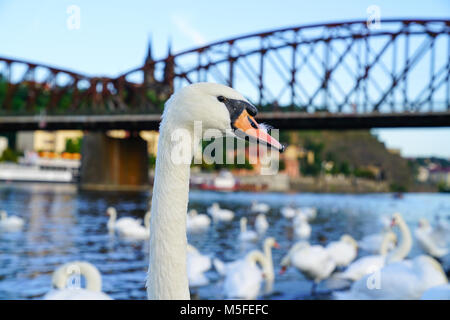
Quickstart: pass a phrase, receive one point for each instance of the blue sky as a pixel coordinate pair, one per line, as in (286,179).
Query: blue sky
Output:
(113,36)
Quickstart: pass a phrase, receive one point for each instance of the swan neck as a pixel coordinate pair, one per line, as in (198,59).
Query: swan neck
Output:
(385,244)
(405,244)
(269,262)
(167,274)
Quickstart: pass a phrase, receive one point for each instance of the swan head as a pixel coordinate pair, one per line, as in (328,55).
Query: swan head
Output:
(396,220)
(111,212)
(423,223)
(217,107)
(271,243)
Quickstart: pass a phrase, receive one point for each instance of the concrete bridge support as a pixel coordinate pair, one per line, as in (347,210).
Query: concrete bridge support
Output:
(114,164)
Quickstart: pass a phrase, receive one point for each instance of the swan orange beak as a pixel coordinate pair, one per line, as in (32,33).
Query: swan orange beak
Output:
(246,126)
(276,245)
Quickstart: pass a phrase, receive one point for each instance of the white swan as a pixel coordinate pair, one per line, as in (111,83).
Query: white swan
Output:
(214,107)
(288,212)
(197,265)
(302,229)
(368,264)
(243,277)
(260,207)
(10,223)
(118,224)
(313,261)
(398,279)
(309,212)
(197,222)
(76,269)
(343,251)
(429,240)
(441,292)
(247,235)
(219,214)
(261,223)
(137,231)
(408,279)
(372,242)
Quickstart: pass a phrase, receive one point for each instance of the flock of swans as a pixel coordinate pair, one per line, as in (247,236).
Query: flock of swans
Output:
(176,266)
(384,272)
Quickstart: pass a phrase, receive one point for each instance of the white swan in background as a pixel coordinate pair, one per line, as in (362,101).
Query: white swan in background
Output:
(368,264)
(309,212)
(219,214)
(73,291)
(288,212)
(10,223)
(118,224)
(197,265)
(372,242)
(197,222)
(429,240)
(313,261)
(215,107)
(243,278)
(302,229)
(137,231)
(343,251)
(261,224)
(398,279)
(247,235)
(260,207)
(408,279)
(441,292)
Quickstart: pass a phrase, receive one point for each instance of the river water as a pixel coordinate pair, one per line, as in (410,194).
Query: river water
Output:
(63,224)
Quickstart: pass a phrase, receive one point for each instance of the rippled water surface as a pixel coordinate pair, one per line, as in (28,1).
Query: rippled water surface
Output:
(64,224)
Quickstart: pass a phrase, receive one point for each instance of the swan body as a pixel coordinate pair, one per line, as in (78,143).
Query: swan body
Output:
(219,214)
(80,268)
(136,231)
(343,251)
(372,242)
(247,235)
(408,279)
(428,241)
(313,261)
(197,265)
(207,106)
(10,223)
(197,222)
(441,292)
(288,212)
(259,207)
(302,229)
(261,224)
(243,277)
(368,264)
(309,212)
(119,224)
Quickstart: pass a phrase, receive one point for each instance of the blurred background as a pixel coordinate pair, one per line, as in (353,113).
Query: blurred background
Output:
(359,91)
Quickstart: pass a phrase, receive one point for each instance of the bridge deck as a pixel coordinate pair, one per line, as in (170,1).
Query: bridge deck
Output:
(280,120)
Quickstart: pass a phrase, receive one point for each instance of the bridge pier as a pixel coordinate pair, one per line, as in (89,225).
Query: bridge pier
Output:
(114,164)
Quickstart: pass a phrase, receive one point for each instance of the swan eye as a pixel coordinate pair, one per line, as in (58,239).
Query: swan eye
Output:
(221,98)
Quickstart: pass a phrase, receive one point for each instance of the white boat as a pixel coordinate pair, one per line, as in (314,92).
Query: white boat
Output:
(36,169)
